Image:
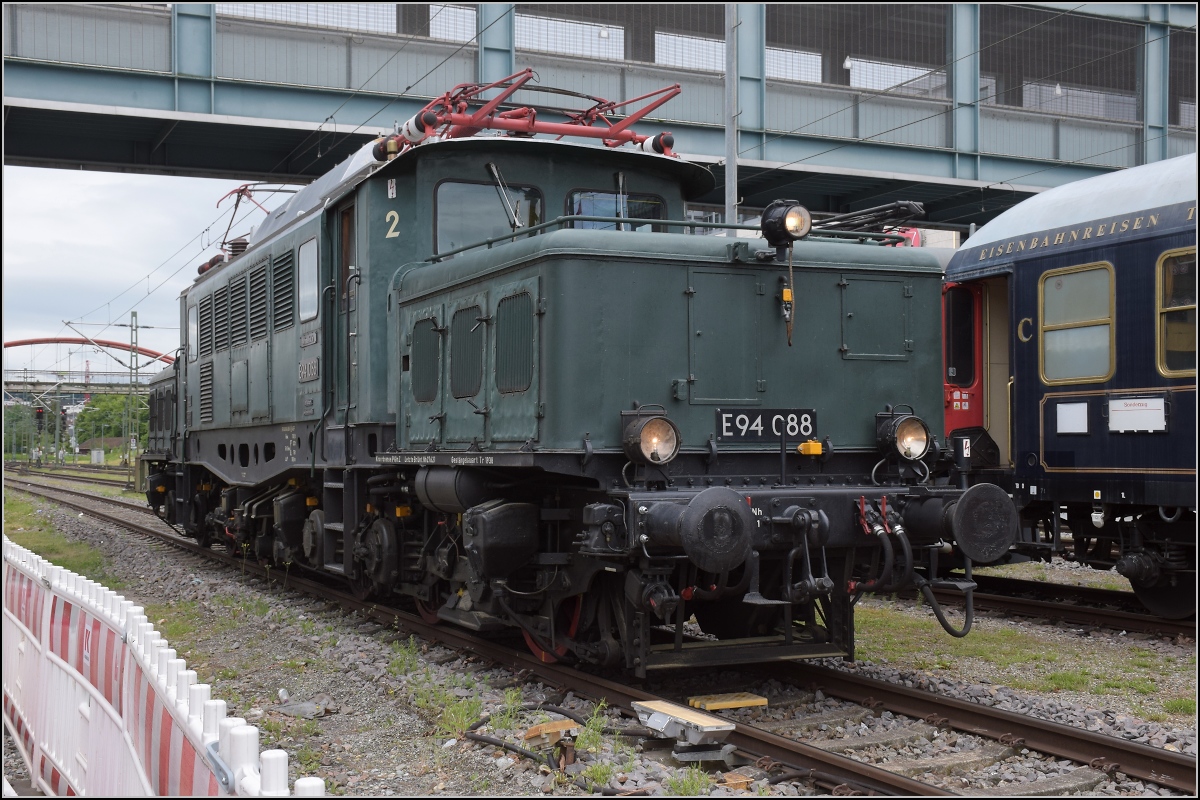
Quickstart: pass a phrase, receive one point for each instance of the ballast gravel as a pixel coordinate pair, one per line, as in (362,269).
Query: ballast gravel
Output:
(379,697)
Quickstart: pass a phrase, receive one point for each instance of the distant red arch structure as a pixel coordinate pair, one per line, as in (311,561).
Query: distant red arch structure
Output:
(166,359)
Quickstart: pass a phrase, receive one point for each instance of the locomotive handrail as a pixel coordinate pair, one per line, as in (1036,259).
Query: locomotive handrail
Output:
(671,223)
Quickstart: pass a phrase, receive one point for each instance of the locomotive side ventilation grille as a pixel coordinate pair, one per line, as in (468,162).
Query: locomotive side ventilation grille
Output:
(466,352)
(426,347)
(514,343)
(258,303)
(206,326)
(221,319)
(237,311)
(282,294)
(206,393)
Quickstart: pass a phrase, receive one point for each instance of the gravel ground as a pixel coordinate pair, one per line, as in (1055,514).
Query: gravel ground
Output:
(385,702)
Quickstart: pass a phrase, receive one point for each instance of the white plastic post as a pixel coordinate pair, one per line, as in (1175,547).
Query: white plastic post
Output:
(310,787)
(150,640)
(164,656)
(224,727)
(243,751)
(214,712)
(198,696)
(183,682)
(274,774)
(154,645)
(171,679)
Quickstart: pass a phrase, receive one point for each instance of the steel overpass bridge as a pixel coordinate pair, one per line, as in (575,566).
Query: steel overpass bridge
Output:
(839,107)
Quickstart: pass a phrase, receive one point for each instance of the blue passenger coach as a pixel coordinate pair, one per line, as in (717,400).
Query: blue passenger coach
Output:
(1070,372)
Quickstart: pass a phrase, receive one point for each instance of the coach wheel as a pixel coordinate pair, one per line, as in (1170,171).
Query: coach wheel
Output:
(566,619)
(1167,601)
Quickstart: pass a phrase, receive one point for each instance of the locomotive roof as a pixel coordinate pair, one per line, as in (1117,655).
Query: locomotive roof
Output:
(694,178)
(1162,183)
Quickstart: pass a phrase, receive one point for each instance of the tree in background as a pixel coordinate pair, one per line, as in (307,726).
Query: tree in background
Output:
(19,429)
(104,415)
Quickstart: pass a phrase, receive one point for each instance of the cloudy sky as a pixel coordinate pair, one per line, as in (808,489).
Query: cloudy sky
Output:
(89,247)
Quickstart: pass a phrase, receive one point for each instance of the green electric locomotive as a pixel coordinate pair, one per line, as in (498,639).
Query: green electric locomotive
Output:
(494,373)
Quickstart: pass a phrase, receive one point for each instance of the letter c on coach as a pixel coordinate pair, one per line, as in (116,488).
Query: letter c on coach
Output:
(1021,334)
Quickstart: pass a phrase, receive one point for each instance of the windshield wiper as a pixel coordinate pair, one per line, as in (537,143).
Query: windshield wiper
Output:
(514,221)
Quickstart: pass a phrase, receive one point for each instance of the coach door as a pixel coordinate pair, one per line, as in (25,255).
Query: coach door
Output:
(977,371)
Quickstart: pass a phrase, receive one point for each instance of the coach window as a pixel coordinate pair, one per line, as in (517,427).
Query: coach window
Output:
(1077,324)
(630,206)
(192,333)
(1177,313)
(310,285)
(468,213)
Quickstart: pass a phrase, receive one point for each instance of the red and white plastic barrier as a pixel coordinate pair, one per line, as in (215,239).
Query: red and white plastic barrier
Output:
(98,704)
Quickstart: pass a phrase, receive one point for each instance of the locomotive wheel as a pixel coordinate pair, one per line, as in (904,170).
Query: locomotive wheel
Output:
(568,617)
(428,610)
(168,514)
(1167,601)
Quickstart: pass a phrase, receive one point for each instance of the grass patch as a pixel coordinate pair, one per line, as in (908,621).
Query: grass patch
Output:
(510,711)
(405,657)
(308,760)
(32,530)
(1180,705)
(599,774)
(176,620)
(690,782)
(591,735)
(1074,681)
(889,634)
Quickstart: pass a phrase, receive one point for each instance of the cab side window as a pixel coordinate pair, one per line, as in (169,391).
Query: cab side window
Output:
(632,206)
(1177,313)
(309,280)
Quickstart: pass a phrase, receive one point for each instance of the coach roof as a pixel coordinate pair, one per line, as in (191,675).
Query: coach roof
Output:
(1162,183)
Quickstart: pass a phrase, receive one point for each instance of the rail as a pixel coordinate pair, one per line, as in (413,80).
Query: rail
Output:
(817,233)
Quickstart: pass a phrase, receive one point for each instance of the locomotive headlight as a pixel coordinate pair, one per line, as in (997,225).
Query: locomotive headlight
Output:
(651,440)
(908,434)
(785,221)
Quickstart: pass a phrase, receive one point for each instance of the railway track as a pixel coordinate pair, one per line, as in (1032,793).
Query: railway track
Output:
(115,480)
(822,763)
(1061,604)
